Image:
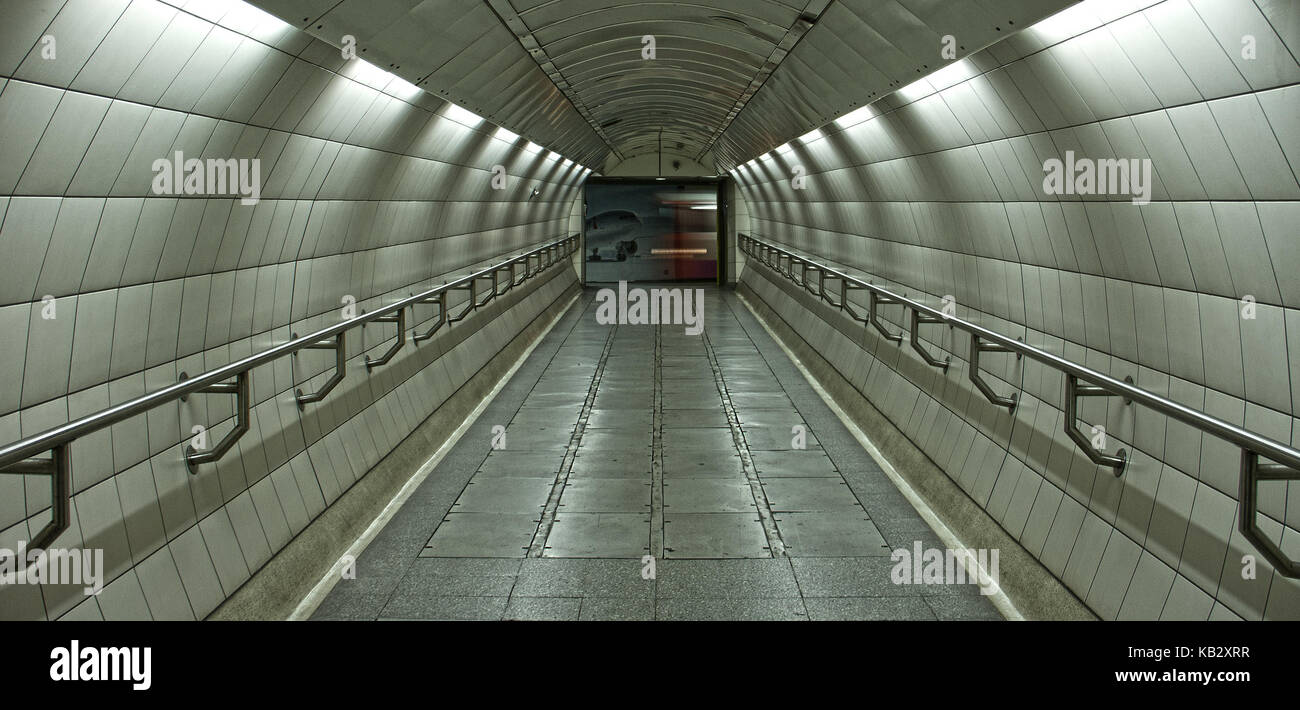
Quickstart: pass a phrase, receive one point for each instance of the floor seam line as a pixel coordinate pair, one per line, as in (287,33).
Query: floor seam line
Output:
(657,536)
(547,521)
(763,507)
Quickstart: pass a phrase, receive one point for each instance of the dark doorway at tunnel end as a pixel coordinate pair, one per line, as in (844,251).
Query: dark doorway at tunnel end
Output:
(653,229)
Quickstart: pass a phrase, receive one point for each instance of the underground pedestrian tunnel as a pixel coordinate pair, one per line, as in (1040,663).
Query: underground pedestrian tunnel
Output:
(584,309)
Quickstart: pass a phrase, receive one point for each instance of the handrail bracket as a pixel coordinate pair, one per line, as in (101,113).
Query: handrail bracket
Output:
(807,267)
(846,306)
(469,304)
(826,296)
(243,403)
(339,346)
(439,300)
(1252,472)
(919,318)
(874,302)
(977,346)
(491,293)
(1263,459)
(1073,391)
(59,468)
(400,319)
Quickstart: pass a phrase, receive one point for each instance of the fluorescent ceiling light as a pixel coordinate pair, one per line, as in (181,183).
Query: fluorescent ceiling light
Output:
(251,20)
(1070,22)
(401,88)
(856,116)
(506,134)
(367,73)
(952,75)
(916,90)
(533,147)
(361,71)
(461,115)
(704,207)
(811,136)
(566,162)
(211,10)
(785,148)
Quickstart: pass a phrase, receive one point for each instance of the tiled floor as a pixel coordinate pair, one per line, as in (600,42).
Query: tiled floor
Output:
(649,474)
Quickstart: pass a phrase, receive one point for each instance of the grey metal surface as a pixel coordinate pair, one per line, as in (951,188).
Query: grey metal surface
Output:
(458,51)
(793,464)
(504,495)
(16,457)
(734,533)
(19,450)
(699,464)
(694,418)
(606,495)
(714,535)
(729,494)
(831,534)
(810,495)
(727,80)
(1080,381)
(1213,425)
(482,535)
(521,463)
(604,535)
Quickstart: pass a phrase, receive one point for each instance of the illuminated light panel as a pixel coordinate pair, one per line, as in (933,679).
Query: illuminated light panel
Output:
(461,115)
(533,147)
(952,75)
(252,21)
(361,71)
(784,149)
(856,116)
(704,207)
(916,90)
(811,136)
(367,73)
(506,134)
(401,88)
(1070,22)
(678,252)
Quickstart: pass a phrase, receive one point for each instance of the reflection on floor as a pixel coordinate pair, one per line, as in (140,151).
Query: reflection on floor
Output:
(636,472)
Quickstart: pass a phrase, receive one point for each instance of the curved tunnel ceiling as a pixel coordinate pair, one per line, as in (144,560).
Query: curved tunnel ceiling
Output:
(728,80)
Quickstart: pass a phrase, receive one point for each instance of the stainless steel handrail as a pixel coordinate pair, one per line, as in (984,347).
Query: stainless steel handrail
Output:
(17,457)
(1286,460)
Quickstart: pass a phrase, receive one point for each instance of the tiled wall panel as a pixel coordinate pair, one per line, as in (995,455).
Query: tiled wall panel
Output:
(937,190)
(369,191)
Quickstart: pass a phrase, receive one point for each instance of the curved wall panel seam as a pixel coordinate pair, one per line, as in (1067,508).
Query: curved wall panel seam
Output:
(875,346)
(1188,293)
(989,472)
(272,129)
(552,287)
(858,270)
(366,194)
